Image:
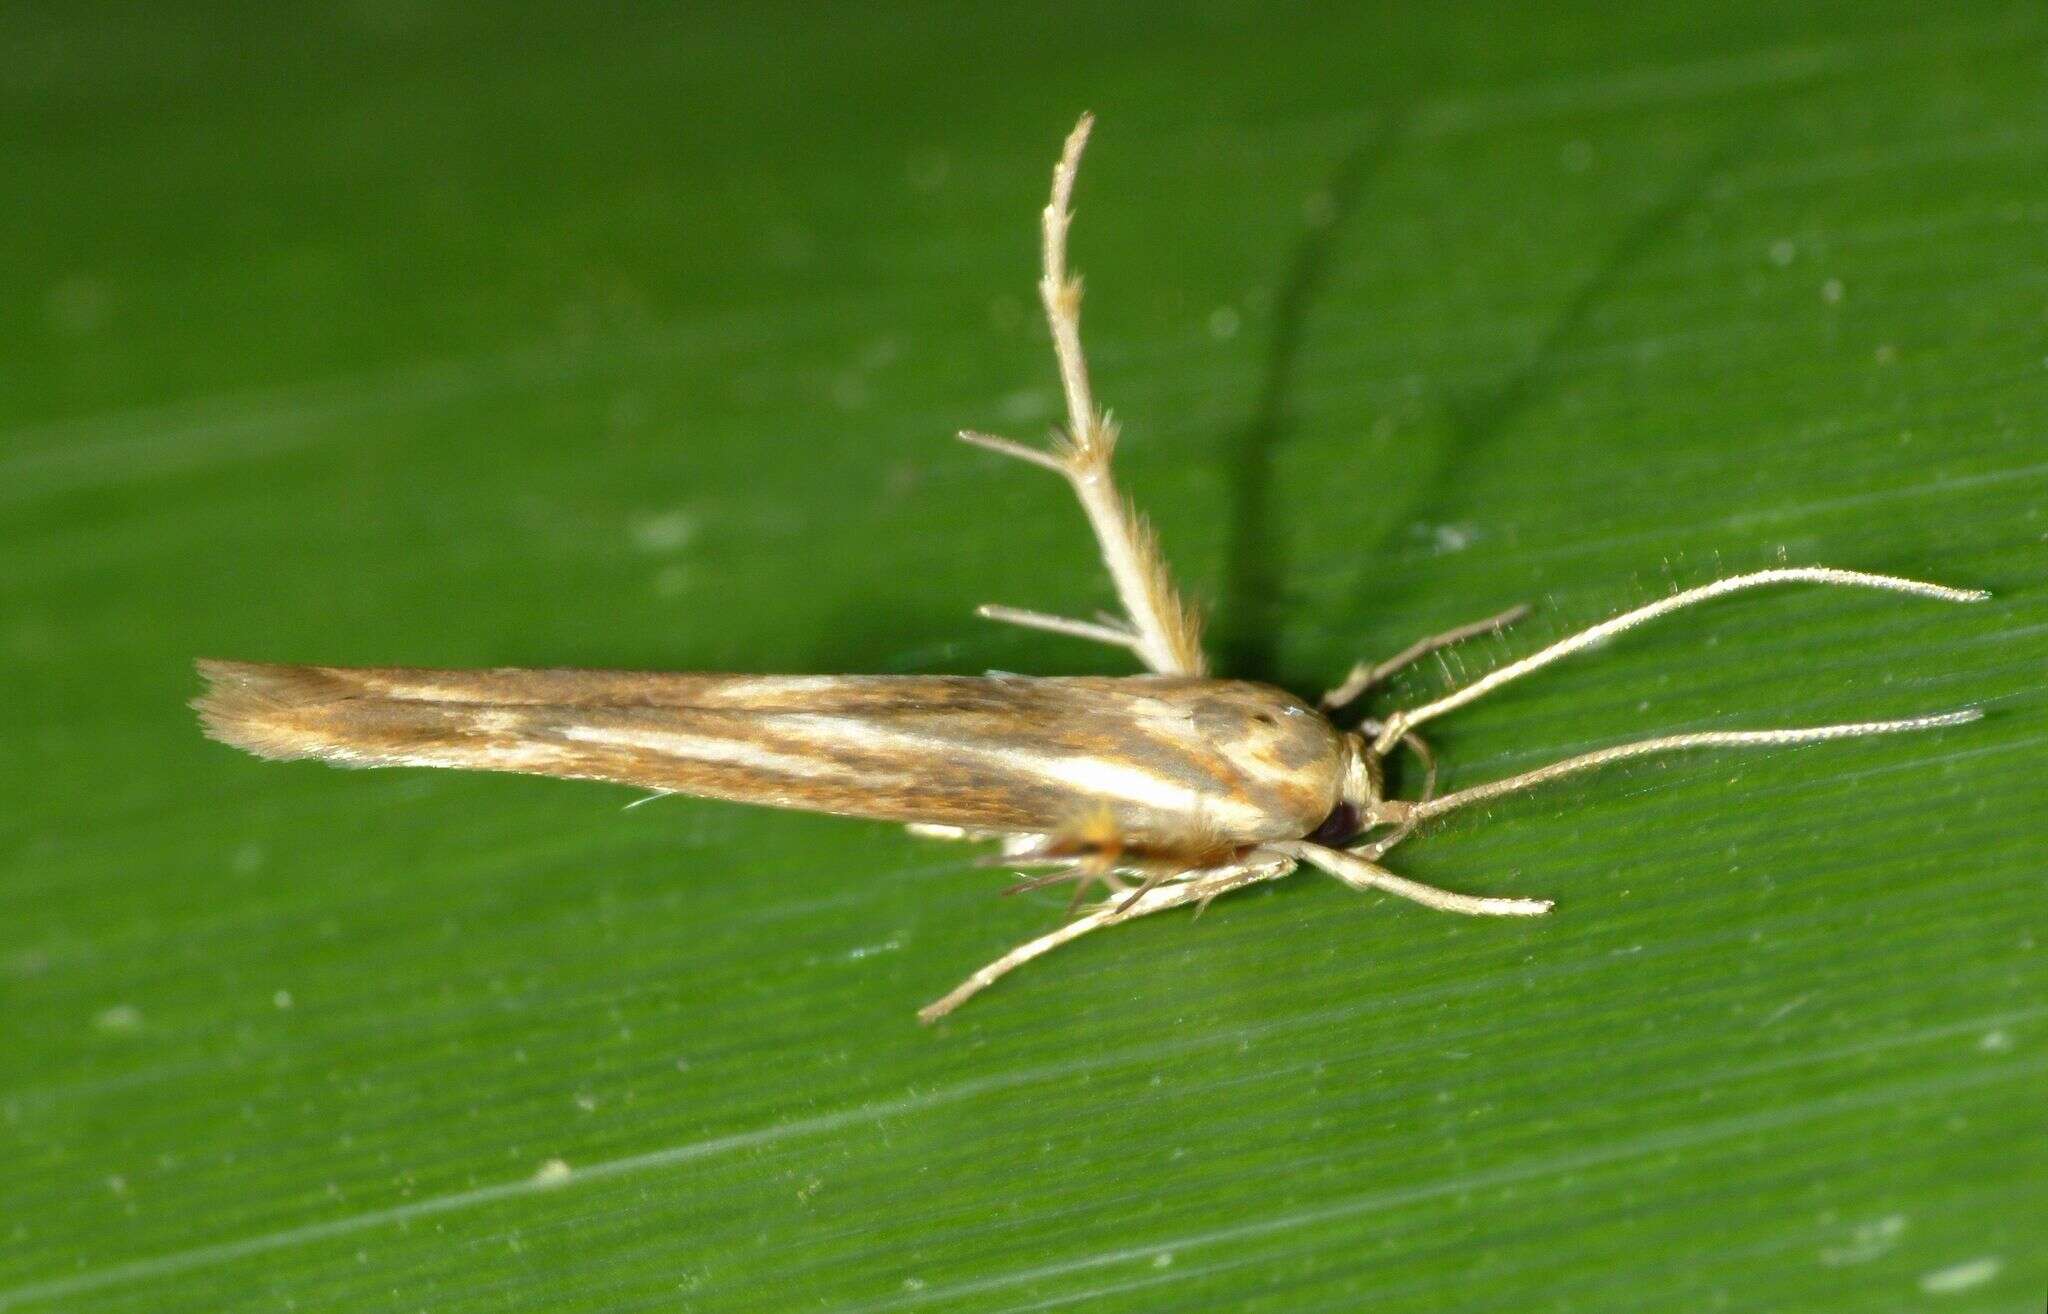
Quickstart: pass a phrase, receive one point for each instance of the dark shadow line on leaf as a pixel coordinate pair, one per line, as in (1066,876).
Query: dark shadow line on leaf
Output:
(1248,610)
(1480,417)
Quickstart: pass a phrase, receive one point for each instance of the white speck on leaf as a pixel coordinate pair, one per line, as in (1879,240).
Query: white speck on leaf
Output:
(119,1019)
(1961,1277)
(552,1173)
(1995,1042)
(1866,1242)
(861,951)
(1785,1009)
(1453,538)
(664,531)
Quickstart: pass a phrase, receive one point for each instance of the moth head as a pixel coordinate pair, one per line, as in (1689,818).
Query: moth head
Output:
(1359,795)
(1362,800)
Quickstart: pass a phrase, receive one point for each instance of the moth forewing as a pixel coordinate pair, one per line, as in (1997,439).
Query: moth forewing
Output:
(1169,766)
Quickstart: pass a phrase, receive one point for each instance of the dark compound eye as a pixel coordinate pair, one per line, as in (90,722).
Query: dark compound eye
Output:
(1340,825)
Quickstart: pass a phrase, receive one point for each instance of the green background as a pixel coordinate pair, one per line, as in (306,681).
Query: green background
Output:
(399,332)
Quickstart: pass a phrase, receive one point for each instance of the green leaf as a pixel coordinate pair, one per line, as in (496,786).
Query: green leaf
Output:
(397,333)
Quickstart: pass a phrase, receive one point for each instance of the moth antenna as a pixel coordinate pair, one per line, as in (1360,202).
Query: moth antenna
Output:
(1401,722)
(1432,808)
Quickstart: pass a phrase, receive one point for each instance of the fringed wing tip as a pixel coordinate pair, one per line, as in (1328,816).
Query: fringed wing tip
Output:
(249,705)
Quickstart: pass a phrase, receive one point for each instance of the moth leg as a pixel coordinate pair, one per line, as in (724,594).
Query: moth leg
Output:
(1362,875)
(1151,882)
(1195,887)
(1115,633)
(1084,876)
(1367,674)
(1400,814)
(991,973)
(1164,632)
(1085,870)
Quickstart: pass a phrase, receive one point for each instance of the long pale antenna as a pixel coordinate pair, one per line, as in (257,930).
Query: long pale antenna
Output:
(1401,722)
(1436,807)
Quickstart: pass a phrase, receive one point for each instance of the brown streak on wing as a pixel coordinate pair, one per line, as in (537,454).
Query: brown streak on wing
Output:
(956,750)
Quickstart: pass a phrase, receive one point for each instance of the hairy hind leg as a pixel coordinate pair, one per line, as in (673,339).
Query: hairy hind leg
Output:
(1162,631)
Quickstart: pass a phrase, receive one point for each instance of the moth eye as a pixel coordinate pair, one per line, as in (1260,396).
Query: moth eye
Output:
(1340,825)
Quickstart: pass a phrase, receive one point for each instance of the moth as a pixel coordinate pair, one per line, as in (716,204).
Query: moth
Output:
(1164,789)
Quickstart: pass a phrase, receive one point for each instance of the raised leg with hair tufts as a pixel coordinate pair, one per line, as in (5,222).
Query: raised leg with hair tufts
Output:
(1163,631)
